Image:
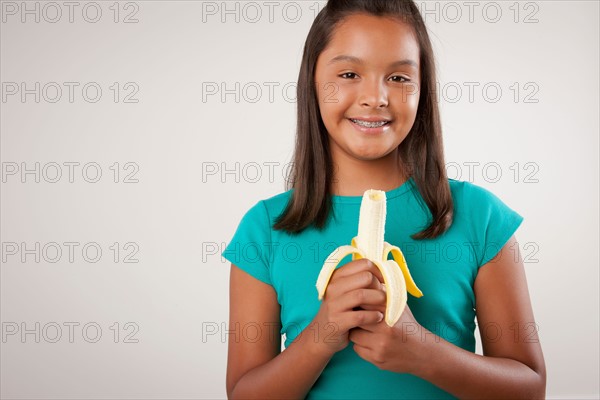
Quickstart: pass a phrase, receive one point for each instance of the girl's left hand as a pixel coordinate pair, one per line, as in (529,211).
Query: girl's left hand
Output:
(399,348)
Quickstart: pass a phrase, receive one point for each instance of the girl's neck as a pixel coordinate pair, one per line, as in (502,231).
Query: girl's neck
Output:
(353,177)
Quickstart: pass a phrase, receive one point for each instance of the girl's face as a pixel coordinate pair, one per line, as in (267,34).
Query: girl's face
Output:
(369,71)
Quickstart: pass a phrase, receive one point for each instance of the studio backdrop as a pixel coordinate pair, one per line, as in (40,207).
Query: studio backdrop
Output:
(135,135)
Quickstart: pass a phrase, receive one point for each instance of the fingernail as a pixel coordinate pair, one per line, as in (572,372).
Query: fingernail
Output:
(380,317)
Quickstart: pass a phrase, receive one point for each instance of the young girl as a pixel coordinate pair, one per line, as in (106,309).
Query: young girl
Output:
(368,119)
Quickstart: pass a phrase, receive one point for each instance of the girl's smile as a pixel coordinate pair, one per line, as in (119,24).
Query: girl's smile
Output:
(367,83)
(370,125)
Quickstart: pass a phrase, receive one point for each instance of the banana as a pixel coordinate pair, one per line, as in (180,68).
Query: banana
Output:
(369,243)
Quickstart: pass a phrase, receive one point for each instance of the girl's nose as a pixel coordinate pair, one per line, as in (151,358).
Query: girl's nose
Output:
(373,94)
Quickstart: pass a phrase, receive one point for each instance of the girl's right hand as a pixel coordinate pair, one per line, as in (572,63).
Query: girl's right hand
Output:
(356,284)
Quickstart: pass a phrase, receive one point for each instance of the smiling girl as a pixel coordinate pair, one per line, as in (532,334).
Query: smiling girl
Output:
(368,119)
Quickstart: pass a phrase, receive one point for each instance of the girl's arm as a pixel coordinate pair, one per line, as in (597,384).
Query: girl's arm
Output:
(256,367)
(513,364)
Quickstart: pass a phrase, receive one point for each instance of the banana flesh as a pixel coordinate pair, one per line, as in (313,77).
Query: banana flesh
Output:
(369,243)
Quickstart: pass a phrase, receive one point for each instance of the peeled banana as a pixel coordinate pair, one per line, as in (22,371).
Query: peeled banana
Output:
(370,244)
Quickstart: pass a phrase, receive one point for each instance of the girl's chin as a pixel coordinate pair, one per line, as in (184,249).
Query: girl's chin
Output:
(369,155)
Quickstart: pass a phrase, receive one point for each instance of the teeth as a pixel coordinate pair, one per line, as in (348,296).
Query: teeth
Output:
(369,124)
(370,244)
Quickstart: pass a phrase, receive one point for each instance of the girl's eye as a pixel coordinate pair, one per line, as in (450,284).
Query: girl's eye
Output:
(349,75)
(399,78)
(352,75)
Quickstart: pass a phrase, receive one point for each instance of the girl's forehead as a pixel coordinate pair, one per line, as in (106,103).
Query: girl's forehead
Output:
(365,27)
(368,36)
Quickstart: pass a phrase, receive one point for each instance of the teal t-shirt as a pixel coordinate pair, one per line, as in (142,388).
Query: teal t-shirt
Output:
(443,268)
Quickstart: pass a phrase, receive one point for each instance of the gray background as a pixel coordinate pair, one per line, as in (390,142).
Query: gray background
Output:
(175,204)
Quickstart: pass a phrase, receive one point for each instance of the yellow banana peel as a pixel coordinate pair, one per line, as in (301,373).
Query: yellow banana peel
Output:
(369,243)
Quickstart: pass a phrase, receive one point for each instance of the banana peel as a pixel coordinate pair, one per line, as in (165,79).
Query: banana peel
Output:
(369,243)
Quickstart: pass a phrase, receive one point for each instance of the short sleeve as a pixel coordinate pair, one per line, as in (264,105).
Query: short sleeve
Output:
(249,247)
(494,223)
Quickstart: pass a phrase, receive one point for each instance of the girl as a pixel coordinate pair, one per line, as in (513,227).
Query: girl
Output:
(368,119)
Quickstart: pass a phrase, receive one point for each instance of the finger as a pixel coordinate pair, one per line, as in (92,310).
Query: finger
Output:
(352,319)
(374,269)
(371,327)
(359,318)
(375,283)
(356,266)
(377,272)
(345,284)
(359,336)
(368,265)
(364,352)
(376,307)
(360,297)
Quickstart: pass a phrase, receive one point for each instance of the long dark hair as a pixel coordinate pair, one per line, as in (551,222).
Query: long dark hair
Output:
(421,152)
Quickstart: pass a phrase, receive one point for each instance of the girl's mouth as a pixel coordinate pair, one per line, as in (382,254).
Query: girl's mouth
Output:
(369,124)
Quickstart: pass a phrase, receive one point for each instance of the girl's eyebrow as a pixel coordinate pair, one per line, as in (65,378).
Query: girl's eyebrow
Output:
(356,60)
